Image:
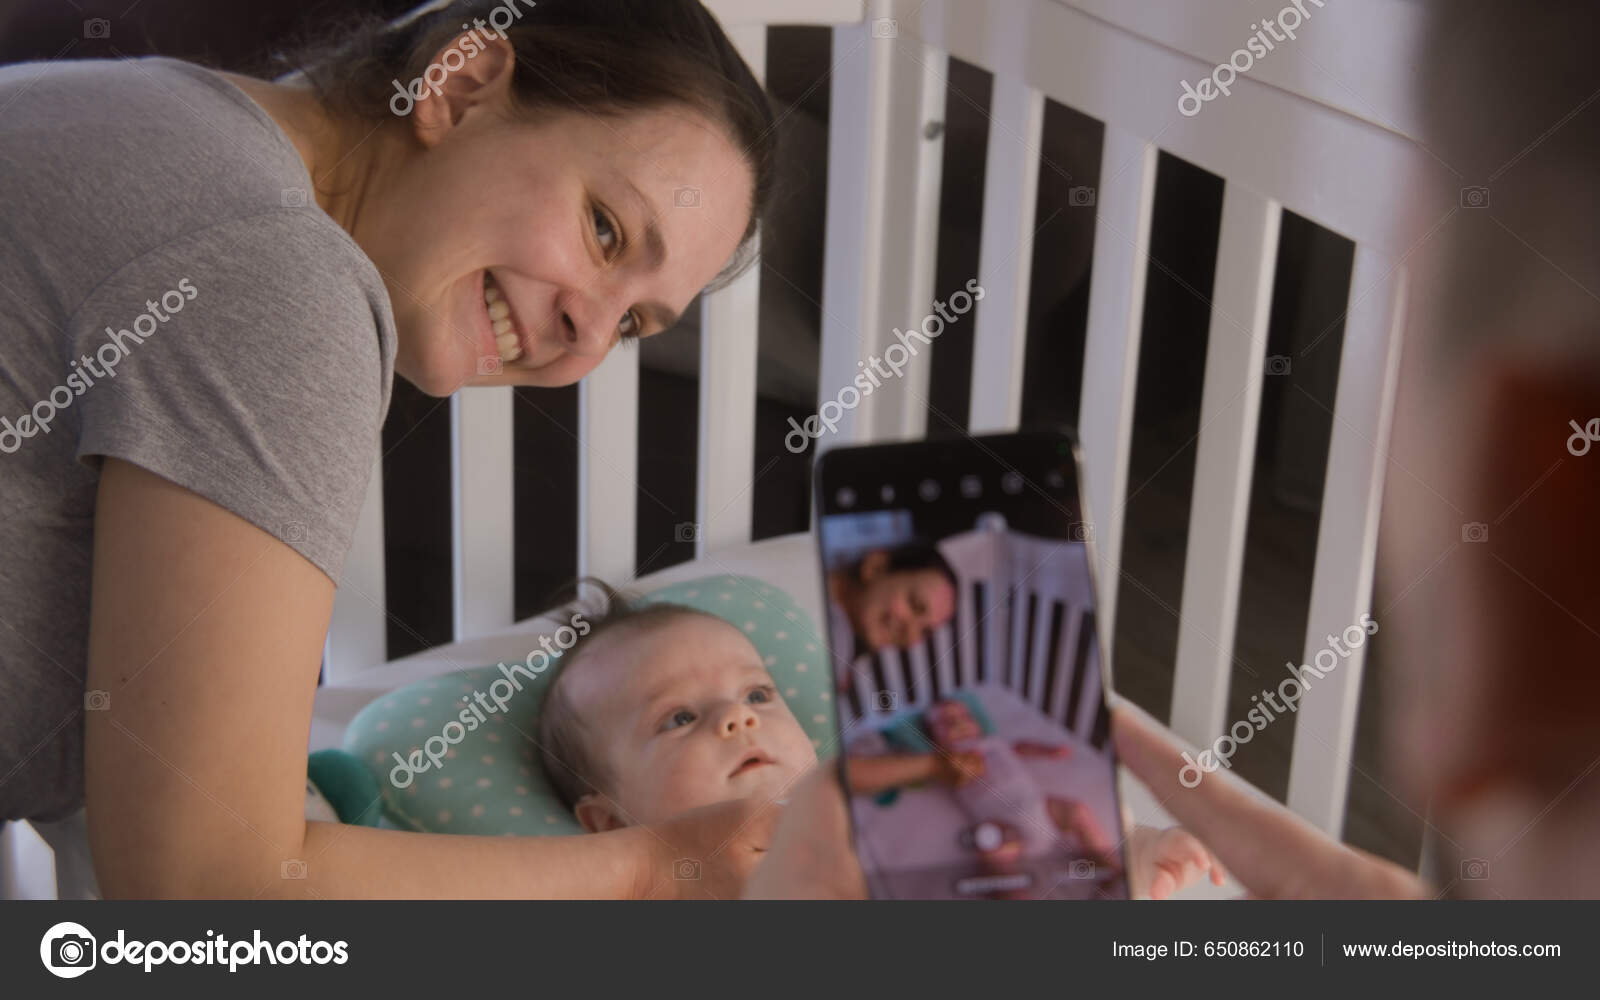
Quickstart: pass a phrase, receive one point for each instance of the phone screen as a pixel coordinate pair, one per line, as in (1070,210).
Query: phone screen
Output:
(973,729)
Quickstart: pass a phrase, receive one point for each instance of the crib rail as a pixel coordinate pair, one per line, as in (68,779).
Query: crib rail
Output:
(1290,136)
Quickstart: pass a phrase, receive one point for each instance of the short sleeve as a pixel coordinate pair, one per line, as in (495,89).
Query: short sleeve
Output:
(250,363)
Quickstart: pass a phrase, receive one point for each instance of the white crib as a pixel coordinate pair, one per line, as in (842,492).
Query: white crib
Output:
(1319,128)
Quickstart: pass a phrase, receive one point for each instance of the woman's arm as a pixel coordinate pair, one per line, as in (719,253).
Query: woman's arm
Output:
(1271,851)
(207,632)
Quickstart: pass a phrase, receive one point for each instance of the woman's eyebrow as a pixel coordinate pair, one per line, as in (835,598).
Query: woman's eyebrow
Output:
(655,246)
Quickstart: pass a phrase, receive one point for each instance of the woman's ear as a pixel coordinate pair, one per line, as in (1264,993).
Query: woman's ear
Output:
(597,815)
(442,96)
(873,565)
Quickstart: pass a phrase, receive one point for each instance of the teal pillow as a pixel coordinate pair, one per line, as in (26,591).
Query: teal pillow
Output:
(486,779)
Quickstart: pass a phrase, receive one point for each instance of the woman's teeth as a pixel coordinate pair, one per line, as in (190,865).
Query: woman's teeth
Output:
(499,320)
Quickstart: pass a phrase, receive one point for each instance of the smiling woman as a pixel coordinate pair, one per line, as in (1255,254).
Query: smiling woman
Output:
(574,182)
(168,567)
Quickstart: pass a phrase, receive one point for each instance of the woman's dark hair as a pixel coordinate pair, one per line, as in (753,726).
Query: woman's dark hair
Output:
(909,556)
(596,56)
(566,747)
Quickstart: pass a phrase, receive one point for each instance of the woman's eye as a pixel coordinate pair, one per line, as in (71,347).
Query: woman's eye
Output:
(629,327)
(605,232)
(682,717)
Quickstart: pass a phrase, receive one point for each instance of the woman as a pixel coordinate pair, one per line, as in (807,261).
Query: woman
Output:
(893,597)
(213,280)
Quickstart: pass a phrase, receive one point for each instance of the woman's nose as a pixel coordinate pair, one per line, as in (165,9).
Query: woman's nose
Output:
(735,718)
(587,324)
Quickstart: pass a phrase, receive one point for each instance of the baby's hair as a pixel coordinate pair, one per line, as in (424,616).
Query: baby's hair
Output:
(565,753)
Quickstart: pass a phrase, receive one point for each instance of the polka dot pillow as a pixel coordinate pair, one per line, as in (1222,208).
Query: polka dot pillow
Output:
(446,766)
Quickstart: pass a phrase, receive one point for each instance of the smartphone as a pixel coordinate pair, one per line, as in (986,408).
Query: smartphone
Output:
(968,669)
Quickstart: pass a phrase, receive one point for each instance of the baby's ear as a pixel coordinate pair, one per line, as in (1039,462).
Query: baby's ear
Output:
(597,815)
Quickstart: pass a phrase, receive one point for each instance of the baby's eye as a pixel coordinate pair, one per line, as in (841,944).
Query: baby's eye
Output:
(763,695)
(682,717)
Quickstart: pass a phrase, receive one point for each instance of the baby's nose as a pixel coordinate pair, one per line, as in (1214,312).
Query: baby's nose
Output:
(736,718)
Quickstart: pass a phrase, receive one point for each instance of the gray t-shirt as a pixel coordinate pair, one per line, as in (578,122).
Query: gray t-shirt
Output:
(173,298)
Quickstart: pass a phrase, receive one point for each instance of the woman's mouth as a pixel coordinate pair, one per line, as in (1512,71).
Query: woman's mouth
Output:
(750,761)
(500,321)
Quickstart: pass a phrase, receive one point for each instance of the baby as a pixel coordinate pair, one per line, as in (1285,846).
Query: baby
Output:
(1011,817)
(663,709)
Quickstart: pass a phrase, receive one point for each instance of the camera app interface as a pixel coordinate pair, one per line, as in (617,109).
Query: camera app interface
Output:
(967,669)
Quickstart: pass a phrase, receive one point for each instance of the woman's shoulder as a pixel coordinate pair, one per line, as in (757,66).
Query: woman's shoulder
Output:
(115,158)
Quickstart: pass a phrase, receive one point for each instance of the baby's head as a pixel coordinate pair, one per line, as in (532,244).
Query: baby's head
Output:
(950,723)
(662,709)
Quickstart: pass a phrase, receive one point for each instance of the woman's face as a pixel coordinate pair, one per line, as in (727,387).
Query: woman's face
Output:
(591,229)
(898,607)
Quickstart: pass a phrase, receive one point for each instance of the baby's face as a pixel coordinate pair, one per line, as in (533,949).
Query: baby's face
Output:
(685,715)
(951,723)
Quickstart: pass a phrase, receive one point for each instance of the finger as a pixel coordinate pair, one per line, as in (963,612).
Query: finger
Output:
(1162,885)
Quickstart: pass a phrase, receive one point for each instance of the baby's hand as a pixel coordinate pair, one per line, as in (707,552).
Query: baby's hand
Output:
(958,768)
(1168,860)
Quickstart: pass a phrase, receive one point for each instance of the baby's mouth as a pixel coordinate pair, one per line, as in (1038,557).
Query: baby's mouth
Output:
(751,761)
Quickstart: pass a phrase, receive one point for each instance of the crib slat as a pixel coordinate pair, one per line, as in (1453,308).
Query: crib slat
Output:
(608,463)
(1347,539)
(853,261)
(1241,302)
(914,164)
(357,631)
(1010,190)
(1124,207)
(481,457)
(729,323)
